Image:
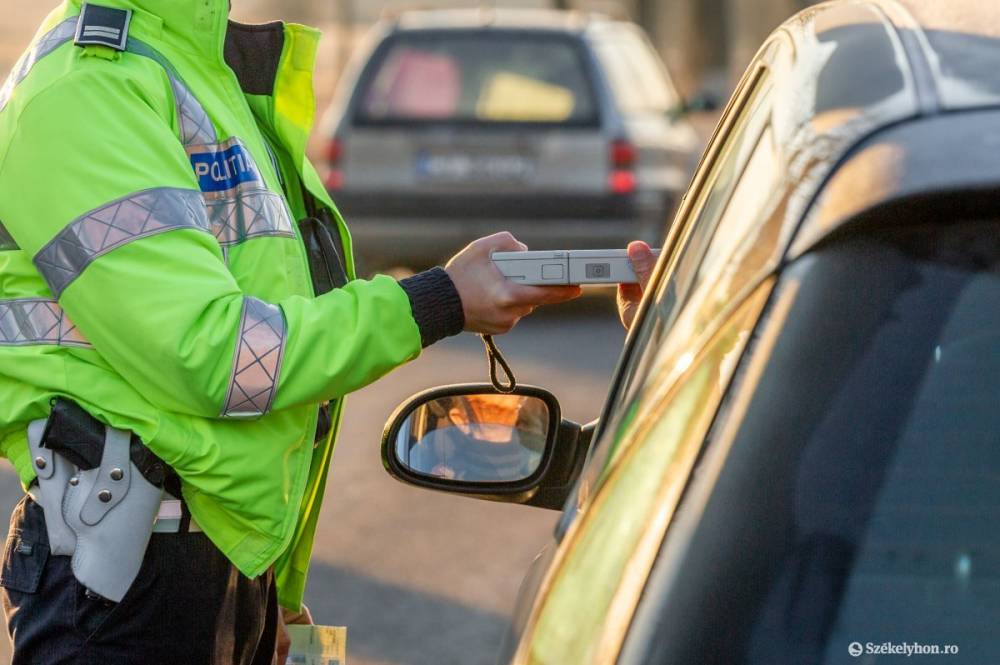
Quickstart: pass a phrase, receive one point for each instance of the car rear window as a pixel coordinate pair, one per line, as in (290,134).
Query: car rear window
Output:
(478,77)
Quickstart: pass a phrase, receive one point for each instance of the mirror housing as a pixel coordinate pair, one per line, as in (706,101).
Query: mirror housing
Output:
(565,448)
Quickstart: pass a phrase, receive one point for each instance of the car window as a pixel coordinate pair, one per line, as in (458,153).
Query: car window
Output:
(608,545)
(481,77)
(635,72)
(855,504)
(748,139)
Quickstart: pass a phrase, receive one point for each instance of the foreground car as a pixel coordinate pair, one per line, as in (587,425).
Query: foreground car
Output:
(456,124)
(797,460)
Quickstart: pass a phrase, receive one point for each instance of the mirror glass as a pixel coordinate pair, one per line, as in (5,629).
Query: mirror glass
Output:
(483,438)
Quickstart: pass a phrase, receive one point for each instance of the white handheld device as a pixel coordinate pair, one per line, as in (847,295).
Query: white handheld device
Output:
(567,267)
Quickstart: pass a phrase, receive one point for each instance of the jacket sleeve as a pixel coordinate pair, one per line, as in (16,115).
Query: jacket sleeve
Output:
(97,188)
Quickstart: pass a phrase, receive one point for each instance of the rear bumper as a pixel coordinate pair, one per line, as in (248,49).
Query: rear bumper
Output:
(383,242)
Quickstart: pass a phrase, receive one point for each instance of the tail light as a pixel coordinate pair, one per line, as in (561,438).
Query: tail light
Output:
(623,156)
(335,171)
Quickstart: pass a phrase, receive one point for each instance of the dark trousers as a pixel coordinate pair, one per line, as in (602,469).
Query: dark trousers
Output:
(189,605)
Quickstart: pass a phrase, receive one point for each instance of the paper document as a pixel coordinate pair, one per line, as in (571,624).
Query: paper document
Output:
(317,645)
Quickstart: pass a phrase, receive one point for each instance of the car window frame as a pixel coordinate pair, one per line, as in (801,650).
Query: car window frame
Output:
(677,238)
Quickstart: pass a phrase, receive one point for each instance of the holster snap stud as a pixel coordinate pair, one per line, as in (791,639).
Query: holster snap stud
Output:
(40,462)
(104,496)
(117,474)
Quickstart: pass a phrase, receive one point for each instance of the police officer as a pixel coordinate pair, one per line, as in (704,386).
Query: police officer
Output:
(172,269)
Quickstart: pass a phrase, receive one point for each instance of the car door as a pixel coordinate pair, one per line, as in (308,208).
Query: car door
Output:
(710,290)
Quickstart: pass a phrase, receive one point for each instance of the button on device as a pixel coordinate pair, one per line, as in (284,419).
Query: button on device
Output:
(553,271)
(598,270)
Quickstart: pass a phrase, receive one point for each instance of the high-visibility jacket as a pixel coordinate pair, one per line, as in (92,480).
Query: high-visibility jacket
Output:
(151,267)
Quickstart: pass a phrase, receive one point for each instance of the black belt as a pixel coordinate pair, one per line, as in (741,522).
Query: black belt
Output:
(79,437)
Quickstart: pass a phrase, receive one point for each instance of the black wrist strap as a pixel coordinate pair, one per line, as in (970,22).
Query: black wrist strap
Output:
(495,357)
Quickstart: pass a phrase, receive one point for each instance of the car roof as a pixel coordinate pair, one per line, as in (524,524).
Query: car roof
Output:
(550,20)
(847,70)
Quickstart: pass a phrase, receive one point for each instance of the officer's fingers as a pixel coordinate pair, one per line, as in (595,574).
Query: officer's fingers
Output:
(643,261)
(521,294)
(303,616)
(283,643)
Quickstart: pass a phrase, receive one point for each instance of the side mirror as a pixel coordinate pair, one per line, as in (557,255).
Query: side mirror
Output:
(470,439)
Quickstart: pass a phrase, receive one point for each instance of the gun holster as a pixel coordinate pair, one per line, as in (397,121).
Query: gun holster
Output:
(100,489)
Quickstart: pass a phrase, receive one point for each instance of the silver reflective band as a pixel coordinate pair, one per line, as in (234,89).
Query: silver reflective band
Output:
(249,215)
(7,243)
(196,127)
(118,223)
(257,362)
(37,321)
(52,40)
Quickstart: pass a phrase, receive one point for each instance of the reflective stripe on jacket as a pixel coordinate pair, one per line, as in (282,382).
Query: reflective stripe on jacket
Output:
(151,268)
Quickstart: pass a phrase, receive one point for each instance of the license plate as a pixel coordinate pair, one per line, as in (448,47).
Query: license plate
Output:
(470,168)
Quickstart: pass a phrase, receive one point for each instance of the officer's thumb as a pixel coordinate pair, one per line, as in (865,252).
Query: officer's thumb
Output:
(643,261)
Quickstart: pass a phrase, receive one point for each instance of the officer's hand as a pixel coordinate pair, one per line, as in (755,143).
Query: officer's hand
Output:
(630,295)
(493,304)
(284,642)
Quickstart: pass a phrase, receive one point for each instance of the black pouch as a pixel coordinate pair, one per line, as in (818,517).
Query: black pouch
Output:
(26,550)
(325,253)
(326,265)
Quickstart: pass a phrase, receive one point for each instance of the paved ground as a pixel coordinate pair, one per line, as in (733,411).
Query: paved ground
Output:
(429,579)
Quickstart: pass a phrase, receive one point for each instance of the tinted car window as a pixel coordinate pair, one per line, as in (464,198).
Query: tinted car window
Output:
(857,502)
(478,77)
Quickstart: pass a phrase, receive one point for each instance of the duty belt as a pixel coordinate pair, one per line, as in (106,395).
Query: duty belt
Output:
(102,492)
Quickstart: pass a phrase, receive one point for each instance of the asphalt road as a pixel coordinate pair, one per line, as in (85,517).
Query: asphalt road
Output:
(421,578)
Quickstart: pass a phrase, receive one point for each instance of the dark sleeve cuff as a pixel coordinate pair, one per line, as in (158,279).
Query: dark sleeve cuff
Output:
(436,305)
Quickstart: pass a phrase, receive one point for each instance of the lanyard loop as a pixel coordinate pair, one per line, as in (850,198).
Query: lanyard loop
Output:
(495,357)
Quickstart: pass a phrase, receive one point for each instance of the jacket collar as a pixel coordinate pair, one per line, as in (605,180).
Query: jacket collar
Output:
(195,26)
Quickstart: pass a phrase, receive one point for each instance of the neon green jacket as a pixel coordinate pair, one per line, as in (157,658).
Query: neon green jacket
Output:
(151,269)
